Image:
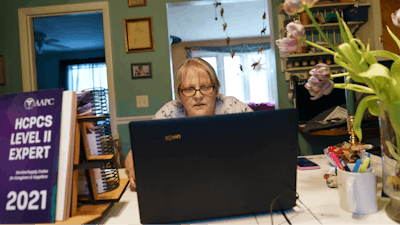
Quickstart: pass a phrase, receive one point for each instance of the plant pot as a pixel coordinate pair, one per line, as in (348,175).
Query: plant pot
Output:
(390,159)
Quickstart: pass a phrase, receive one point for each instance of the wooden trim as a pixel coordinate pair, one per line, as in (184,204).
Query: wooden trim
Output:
(27,44)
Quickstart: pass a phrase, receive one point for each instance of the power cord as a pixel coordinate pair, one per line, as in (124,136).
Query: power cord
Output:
(297,198)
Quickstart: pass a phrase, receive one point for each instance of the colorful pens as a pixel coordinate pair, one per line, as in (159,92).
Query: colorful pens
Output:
(365,165)
(368,155)
(336,160)
(357,166)
(344,165)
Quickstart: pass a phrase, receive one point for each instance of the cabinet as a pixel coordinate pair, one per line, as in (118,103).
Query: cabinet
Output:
(332,31)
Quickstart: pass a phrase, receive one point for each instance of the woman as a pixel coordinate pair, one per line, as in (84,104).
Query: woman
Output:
(197,88)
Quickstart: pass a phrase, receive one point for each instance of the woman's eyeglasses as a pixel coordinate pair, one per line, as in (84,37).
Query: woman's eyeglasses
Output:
(204,90)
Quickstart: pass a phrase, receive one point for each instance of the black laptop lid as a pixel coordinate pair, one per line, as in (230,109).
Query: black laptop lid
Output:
(214,166)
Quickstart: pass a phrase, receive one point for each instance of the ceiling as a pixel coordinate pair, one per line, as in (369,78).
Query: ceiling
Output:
(195,20)
(77,32)
(190,21)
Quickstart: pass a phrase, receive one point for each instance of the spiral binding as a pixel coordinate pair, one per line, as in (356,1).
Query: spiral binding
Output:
(104,139)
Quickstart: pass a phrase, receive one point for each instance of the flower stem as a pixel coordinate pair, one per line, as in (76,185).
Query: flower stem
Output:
(354,87)
(339,75)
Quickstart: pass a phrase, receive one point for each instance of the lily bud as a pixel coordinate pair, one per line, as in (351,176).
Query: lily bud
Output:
(321,71)
(286,46)
(396,18)
(296,29)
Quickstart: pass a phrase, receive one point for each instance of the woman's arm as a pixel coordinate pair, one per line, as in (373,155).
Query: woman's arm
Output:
(130,168)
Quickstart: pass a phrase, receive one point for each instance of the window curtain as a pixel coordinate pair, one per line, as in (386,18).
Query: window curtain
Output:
(87,76)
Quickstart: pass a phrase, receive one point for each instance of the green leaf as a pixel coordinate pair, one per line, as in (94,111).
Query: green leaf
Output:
(386,54)
(362,106)
(392,150)
(377,78)
(369,57)
(342,32)
(394,37)
(372,104)
(393,110)
(395,72)
(341,62)
(348,32)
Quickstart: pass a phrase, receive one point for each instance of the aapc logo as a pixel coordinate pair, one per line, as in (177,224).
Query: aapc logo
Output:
(30,103)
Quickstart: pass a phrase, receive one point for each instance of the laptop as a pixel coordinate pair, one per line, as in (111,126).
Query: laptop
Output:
(209,167)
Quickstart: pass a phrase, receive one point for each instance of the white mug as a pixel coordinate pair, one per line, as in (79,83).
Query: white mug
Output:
(357,191)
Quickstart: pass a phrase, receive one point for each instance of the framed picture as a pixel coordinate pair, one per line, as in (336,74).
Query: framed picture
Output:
(2,71)
(134,3)
(139,34)
(141,70)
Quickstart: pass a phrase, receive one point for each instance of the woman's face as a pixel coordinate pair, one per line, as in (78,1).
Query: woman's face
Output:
(199,104)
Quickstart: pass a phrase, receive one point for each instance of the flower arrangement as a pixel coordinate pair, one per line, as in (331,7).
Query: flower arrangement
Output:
(361,65)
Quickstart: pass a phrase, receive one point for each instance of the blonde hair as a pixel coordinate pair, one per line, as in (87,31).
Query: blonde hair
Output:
(199,65)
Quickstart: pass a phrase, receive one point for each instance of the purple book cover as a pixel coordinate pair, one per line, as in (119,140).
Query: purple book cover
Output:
(29,147)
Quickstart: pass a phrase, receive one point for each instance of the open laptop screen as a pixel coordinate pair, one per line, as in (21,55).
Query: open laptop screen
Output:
(215,166)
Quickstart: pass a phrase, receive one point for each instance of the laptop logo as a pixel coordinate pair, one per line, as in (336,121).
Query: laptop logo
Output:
(172,137)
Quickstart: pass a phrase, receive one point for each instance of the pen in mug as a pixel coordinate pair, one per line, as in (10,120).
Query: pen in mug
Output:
(369,156)
(344,165)
(336,160)
(365,165)
(357,166)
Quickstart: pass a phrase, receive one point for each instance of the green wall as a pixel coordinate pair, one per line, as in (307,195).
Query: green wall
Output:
(158,88)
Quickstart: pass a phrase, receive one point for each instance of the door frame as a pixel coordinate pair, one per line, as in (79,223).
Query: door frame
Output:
(27,44)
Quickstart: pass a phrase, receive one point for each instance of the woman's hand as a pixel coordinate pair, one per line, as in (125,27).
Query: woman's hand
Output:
(131,170)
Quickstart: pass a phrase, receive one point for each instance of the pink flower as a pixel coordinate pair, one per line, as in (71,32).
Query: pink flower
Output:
(292,7)
(396,18)
(286,46)
(296,29)
(321,71)
(318,88)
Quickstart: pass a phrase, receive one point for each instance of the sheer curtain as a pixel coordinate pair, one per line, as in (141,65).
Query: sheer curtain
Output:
(87,76)
(239,78)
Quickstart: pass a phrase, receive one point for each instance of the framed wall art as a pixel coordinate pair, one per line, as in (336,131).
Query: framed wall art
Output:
(139,34)
(141,70)
(2,71)
(134,3)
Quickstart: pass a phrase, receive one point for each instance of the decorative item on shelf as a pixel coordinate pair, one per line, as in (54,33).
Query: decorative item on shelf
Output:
(304,18)
(373,78)
(312,62)
(135,3)
(328,60)
(320,60)
(139,34)
(304,63)
(296,63)
(289,65)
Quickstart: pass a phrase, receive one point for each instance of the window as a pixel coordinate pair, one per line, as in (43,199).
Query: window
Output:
(249,84)
(87,76)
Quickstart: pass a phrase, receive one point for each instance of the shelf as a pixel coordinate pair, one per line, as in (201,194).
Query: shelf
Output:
(308,68)
(329,6)
(91,118)
(307,54)
(329,26)
(110,196)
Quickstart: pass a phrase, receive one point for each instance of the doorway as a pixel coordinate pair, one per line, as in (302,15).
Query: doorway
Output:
(28,46)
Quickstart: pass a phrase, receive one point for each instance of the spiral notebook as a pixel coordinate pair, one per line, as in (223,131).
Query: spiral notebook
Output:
(218,166)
